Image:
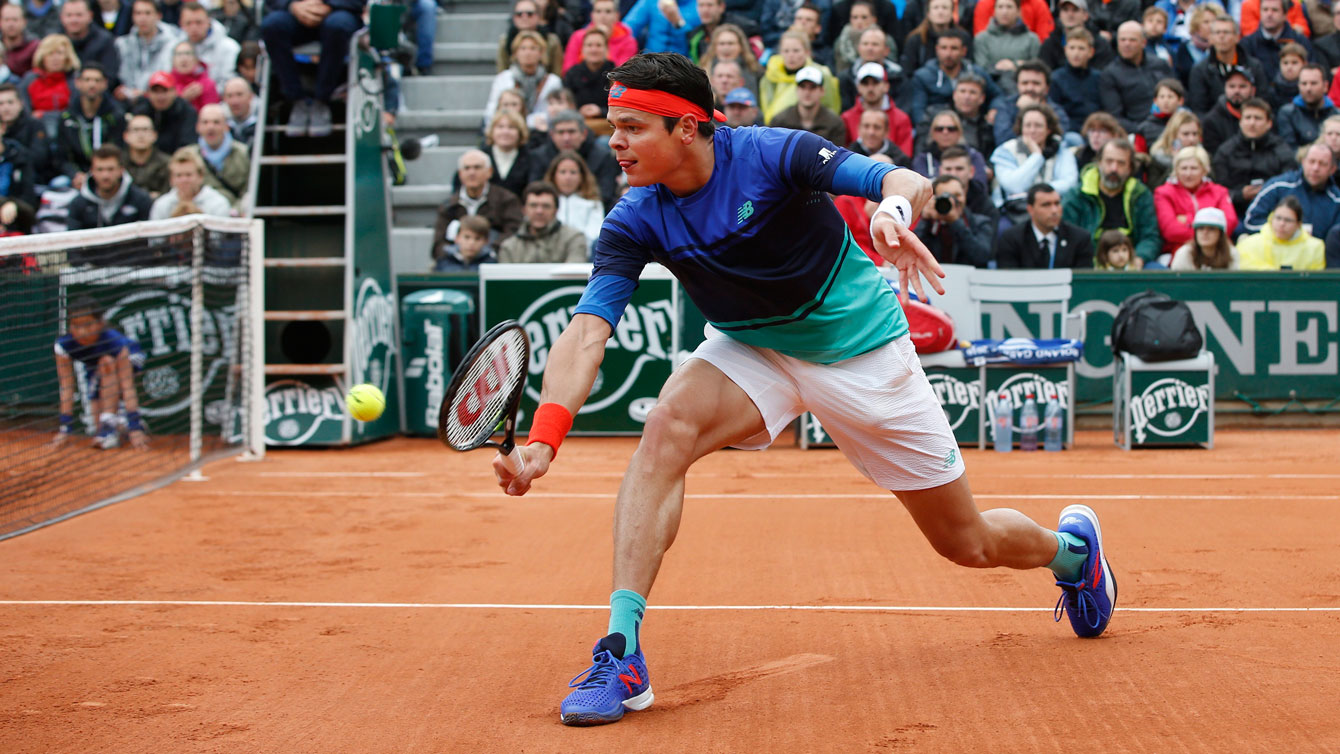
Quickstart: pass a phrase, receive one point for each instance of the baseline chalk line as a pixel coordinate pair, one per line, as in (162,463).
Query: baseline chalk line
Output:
(694,608)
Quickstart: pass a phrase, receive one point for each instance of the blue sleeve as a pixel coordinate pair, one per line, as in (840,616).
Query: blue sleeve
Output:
(606,296)
(617,262)
(813,161)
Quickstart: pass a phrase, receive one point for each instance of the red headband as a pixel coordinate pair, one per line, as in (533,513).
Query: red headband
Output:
(657,102)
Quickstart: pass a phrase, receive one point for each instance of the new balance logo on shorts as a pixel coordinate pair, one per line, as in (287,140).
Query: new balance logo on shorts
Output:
(951,458)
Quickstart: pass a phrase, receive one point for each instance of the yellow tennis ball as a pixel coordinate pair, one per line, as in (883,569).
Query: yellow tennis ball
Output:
(365,402)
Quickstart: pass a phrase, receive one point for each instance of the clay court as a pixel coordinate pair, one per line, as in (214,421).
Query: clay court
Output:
(389,599)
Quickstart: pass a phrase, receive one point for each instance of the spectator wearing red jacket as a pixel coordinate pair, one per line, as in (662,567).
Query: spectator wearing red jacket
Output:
(1187,192)
(872,84)
(1036,14)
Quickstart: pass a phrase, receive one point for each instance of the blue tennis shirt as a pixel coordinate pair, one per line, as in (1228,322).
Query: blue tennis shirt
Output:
(760,249)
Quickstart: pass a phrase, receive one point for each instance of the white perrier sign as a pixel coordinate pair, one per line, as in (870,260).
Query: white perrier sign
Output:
(1168,408)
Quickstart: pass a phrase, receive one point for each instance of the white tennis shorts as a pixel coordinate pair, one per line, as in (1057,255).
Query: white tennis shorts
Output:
(878,407)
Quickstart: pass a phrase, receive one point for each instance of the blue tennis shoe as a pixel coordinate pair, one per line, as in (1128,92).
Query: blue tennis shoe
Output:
(601,693)
(1089,601)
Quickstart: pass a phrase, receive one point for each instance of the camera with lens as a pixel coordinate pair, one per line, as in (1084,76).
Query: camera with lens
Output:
(945,203)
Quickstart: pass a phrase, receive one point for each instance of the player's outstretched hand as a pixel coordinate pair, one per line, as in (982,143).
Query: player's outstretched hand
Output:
(535,460)
(139,440)
(901,247)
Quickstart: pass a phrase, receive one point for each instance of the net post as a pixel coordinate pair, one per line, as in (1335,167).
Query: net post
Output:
(254,354)
(197,339)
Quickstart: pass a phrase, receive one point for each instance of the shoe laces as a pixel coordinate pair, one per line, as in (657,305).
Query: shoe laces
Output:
(1076,599)
(603,669)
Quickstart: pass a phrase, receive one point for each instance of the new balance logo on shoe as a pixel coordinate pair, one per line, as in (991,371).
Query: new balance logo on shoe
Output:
(629,680)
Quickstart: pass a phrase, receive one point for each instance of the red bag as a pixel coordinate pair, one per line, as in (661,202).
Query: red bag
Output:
(932,330)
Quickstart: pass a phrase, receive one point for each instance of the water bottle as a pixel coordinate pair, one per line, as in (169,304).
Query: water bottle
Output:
(1028,423)
(1004,429)
(1051,425)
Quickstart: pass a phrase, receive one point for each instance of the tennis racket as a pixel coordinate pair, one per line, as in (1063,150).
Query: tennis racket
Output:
(485,393)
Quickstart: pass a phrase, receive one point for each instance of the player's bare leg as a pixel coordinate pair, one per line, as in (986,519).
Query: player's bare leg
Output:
(948,517)
(699,410)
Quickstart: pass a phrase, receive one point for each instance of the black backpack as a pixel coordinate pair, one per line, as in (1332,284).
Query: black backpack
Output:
(1154,327)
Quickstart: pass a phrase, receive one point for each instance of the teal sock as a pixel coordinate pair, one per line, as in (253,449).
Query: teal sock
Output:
(626,609)
(1071,552)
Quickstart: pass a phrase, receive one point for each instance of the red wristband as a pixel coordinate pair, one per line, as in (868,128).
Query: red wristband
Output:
(550,425)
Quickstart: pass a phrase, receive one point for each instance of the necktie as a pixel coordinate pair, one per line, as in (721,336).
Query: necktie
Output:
(1051,253)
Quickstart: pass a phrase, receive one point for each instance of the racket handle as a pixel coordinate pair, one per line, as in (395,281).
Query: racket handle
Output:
(512,462)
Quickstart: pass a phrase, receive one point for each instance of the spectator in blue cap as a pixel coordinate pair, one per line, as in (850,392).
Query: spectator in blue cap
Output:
(741,108)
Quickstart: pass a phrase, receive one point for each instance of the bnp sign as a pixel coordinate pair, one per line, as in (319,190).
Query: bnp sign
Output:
(639,355)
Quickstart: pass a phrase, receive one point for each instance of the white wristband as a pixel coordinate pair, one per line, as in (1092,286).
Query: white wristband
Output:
(896,207)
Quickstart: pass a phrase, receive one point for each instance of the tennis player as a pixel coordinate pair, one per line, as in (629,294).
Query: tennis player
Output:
(802,321)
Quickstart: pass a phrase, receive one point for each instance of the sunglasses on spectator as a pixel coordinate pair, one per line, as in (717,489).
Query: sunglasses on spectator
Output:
(944,129)
(524,13)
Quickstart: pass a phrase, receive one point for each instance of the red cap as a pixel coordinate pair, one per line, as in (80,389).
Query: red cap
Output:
(161,78)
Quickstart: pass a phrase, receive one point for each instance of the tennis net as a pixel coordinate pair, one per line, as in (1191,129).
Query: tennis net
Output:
(154,324)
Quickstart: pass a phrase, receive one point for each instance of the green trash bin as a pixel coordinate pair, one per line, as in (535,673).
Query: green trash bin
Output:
(435,333)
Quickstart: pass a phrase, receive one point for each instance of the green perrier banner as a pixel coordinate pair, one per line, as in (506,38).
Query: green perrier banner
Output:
(638,357)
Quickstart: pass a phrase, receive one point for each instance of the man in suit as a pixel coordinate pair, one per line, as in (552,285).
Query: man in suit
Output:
(1044,242)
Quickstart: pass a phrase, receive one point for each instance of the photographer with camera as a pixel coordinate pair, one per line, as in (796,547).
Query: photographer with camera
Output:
(952,233)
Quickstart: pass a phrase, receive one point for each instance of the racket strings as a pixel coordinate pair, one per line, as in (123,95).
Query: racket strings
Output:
(477,409)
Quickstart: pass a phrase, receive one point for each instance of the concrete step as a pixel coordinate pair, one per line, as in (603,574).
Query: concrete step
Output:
(416,206)
(472,27)
(465,52)
(437,121)
(420,195)
(442,92)
(411,250)
(434,166)
(478,6)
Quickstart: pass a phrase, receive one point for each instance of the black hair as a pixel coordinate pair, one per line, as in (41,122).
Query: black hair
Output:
(86,3)
(93,65)
(84,306)
(1036,66)
(8,87)
(540,188)
(1292,203)
(1039,188)
(956,33)
(941,180)
(671,73)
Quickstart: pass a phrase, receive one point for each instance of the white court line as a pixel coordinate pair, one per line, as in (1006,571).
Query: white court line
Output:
(720,608)
(797,475)
(375,474)
(1265,497)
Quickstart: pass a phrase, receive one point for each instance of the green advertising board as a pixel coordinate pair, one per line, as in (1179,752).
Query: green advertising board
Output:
(1015,383)
(1163,404)
(638,357)
(152,306)
(1274,335)
(309,409)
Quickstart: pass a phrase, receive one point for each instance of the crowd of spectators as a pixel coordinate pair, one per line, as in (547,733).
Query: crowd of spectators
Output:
(1111,134)
(125,110)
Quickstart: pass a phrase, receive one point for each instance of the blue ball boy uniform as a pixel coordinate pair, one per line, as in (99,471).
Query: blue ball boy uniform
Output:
(110,342)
